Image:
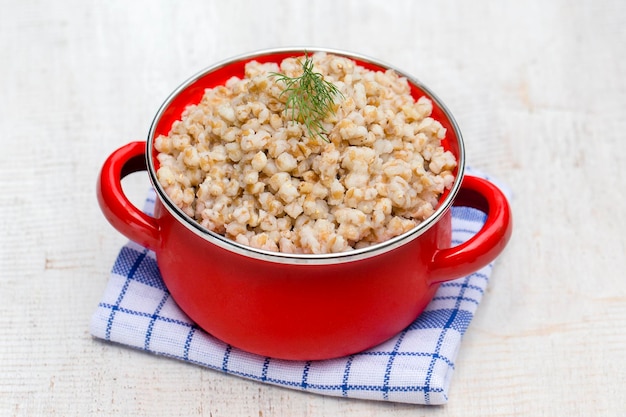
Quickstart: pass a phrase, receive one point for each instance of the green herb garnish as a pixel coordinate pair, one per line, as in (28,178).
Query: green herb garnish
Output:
(310,98)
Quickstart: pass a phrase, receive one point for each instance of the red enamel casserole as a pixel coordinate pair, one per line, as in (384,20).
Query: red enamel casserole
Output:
(295,306)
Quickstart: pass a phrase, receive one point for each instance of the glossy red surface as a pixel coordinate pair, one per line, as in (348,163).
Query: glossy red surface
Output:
(116,207)
(299,310)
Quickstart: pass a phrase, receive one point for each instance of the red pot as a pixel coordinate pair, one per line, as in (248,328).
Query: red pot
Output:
(291,306)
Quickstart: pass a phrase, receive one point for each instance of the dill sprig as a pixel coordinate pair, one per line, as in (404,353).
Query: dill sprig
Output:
(310,98)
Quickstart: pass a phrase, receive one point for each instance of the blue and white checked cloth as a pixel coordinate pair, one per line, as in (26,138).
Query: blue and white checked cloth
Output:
(415,366)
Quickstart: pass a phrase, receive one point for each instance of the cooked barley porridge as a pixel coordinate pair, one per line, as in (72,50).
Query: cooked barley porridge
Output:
(240,166)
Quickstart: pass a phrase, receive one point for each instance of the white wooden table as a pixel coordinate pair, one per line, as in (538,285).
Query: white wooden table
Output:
(538,88)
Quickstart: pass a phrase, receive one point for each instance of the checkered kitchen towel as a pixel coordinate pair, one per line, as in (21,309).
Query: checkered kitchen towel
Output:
(415,366)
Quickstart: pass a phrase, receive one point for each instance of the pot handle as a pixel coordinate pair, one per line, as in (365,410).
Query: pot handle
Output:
(484,246)
(117,208)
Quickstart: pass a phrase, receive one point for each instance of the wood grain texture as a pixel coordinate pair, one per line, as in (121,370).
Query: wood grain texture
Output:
(538,90)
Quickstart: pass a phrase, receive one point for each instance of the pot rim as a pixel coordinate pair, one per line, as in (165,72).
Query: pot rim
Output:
(294,258)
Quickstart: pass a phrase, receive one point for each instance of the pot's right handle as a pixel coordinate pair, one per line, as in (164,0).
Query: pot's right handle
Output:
(117,208)
(484,246)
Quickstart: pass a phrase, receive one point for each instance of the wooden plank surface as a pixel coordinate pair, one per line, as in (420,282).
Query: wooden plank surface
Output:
(538,90)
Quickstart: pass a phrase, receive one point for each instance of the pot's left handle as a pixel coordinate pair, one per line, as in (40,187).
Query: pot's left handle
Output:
(117,208)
